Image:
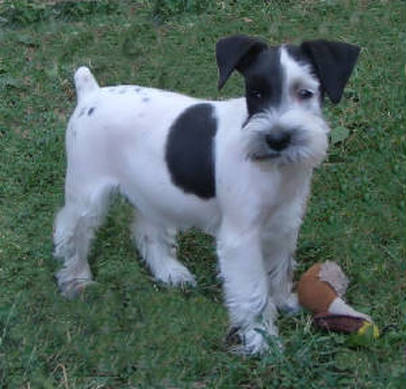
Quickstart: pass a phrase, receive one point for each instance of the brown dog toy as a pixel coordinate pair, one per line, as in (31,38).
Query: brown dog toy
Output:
(321,290)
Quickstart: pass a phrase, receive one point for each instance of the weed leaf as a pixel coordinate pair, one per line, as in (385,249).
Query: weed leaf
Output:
(339,134)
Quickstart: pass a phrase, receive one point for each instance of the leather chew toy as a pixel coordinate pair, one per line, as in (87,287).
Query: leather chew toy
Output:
(321,290)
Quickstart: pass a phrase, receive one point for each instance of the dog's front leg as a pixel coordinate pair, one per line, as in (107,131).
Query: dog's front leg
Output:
(279,241)
(278,252)
(246,286)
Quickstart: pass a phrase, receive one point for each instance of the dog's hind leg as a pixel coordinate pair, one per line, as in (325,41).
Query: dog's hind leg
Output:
(74,229)
(157,246)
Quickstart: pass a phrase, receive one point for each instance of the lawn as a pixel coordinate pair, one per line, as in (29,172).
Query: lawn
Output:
(129,331)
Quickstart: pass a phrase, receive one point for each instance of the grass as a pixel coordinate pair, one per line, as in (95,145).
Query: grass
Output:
(128,331)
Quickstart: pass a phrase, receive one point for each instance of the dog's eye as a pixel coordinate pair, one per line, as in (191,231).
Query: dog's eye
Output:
(304,94)
(256,94)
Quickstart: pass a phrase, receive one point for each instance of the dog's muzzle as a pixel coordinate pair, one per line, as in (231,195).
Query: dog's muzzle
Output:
(274,143)
(278,140)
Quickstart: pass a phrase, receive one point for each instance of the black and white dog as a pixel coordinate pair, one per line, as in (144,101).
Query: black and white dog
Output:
(239,169)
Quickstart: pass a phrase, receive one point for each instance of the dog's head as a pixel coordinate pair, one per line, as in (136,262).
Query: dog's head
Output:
(285,87)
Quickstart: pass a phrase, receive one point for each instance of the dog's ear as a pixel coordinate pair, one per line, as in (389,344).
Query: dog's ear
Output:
(236,52)
(334,62)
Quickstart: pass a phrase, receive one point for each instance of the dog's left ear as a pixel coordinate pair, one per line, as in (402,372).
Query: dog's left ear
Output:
(236,52)
(334,62)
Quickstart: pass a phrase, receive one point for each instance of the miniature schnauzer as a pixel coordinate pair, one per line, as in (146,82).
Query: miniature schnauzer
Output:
(239,169)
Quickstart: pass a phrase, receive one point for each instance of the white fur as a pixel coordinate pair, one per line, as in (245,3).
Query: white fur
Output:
(340,307)
(255,215)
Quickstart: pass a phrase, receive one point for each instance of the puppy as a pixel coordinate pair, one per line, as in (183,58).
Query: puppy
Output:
(239,169)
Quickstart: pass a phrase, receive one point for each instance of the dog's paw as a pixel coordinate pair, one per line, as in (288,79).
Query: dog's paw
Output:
(175,274)
(74,288)
(291,305)
(70,286)
(257,342)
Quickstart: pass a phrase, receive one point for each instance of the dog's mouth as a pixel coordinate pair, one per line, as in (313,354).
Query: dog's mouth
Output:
(293,153)
(266,156)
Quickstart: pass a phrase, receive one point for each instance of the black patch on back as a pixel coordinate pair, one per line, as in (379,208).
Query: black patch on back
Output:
(190,151)
(263,82)
(91,110)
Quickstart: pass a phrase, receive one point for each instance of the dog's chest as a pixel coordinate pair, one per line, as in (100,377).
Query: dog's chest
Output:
(276,188)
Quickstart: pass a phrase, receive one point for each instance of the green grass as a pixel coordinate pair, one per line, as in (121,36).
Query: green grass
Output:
(128,331)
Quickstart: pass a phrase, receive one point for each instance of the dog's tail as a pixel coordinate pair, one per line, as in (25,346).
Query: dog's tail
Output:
(85,83)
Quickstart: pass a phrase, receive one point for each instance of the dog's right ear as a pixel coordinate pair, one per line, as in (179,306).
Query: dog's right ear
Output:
(236,52)
(334,62)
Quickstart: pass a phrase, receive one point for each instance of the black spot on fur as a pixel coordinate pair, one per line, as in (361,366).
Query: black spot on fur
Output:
(190,151)
(145,99)
(91,110)
(137,89)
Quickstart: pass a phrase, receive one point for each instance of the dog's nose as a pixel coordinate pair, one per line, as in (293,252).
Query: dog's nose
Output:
(278,141)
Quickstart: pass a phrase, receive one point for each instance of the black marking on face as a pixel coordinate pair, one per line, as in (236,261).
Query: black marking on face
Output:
(297,53)
(91,110)
(263,82)
(190,151)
